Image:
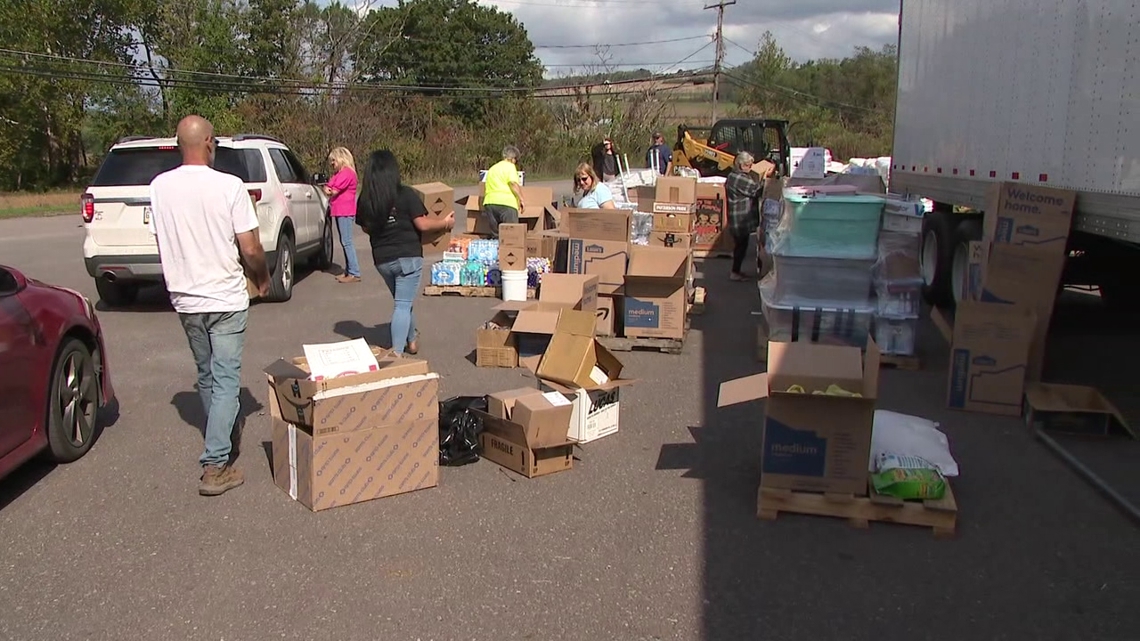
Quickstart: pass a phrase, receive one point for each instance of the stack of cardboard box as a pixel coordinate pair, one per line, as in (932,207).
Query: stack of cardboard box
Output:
(438,198)
(357,437)
(998,335)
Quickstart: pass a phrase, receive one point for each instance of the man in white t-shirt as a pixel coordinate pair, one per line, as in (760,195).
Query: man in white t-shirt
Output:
(200,218)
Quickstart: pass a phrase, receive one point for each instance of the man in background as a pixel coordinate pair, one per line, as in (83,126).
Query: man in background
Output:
(659,155)
(205,225)
(502,191)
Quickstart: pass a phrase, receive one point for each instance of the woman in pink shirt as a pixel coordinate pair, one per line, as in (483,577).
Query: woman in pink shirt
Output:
(341,190)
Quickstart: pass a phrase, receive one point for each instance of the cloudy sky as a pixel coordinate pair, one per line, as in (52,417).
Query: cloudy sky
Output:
(806,29)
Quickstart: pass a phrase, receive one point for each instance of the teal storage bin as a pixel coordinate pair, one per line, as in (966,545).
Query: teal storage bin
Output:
(832,226)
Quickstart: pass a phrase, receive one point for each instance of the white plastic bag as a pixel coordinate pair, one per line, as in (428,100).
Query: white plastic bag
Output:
(905,435)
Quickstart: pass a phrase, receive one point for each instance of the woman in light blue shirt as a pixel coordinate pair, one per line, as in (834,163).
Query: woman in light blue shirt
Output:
(589,192)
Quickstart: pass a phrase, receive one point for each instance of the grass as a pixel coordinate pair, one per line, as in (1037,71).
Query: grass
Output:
(52,203)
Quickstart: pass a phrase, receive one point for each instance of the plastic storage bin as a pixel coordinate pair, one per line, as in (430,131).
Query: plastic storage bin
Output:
(895,335)
(849,324)
(836,226)
(807,281)
(898,298)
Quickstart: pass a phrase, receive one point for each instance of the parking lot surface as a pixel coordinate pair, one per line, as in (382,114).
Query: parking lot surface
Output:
(653,535)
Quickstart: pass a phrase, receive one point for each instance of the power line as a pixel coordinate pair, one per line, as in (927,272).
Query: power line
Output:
(800,95)
(620,44)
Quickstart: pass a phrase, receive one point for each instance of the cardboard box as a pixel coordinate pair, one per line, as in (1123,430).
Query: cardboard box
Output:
(608,306)
(655,294)
(1029,215)
(597,224)
(671,239)
(526,431)
(538,200)
(401,390)
(512,247)
(813,442)
(327,471)
(574,357)
(1018,275)
(709,217)
(438,198)
(596,414)
(497,347)
(607,259)
(674,223)
(989,353)
(535,215)
(557,292)
(676,190)
(1072,409)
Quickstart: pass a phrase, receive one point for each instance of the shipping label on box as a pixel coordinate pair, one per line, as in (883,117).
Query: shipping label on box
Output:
(676,223)
(1031,215)
(605,258)
(322,472)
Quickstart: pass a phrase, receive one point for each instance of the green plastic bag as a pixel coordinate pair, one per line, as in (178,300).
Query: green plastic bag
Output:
(910,483)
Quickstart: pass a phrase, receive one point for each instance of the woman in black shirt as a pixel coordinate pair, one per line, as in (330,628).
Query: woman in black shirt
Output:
(394,218)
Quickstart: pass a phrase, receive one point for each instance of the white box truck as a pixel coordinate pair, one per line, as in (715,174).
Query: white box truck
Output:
(1042,92)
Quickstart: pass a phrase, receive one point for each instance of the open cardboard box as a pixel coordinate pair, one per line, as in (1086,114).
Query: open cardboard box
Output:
(525,431)
(539,319)
(655,294)
(575,358)
(400,390)
(1073,409)
(813,441)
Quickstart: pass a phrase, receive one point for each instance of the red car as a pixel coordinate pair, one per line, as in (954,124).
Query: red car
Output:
(53,371)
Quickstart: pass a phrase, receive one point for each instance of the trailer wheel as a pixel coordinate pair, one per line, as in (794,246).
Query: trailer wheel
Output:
(969,230)
(936,257)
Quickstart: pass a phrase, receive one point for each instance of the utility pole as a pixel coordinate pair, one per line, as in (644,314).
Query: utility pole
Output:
(719,6)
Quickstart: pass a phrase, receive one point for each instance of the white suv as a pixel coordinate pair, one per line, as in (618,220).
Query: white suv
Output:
(121,254)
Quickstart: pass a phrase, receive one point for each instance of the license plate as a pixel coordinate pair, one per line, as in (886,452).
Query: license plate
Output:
(146,215)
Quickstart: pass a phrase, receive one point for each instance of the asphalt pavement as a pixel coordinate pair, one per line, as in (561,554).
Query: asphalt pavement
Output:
(653,535)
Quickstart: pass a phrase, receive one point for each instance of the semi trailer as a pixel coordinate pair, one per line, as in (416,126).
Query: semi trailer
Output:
(1038,92)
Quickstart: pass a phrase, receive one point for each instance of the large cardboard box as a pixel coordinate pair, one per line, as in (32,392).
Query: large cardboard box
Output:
(655,294)
(512,247)
(1023,275)
(1029,215)
(497,346)
(526,431)
(813,441)
(597,224)
(438,199)
(399,391)
(538,201)
(1073,409)
(674,195)
(608,306)
(596,414)
(575,358)
(535,216)
(671,239)
(323,472)
(709,218)
(989,353)
(607,259)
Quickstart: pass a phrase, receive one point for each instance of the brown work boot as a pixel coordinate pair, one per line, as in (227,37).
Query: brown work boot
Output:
(219,480)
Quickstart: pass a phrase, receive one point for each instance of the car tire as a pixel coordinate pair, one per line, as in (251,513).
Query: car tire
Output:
(116,294)
(323,259)
(284,272)
(73,403)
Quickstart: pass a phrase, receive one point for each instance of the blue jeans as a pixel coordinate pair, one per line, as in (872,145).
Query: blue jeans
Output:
(402,276)
(345,225)
(216,340)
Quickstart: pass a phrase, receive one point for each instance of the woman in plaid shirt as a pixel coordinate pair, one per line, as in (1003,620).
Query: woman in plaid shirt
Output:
(743,189)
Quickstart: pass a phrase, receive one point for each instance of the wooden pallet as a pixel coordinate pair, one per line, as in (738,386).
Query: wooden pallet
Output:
(663,345)
(469,291)
(895,361)
(697,301)
(941,515)
(711,253)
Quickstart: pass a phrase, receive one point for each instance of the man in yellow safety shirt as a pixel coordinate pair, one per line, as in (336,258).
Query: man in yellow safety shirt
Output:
(502,193)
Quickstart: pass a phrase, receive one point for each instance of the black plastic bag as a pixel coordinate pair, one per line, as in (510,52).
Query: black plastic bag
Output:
(459,430)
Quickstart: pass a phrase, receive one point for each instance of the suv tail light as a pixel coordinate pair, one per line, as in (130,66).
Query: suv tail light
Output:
(255,196)
(87,202)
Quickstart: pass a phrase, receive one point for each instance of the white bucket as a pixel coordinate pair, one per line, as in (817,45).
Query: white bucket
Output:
(514,284)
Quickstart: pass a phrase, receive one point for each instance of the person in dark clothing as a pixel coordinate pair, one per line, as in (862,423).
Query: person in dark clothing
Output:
(659,155)
(394,218)
(605,160)
(742,190)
